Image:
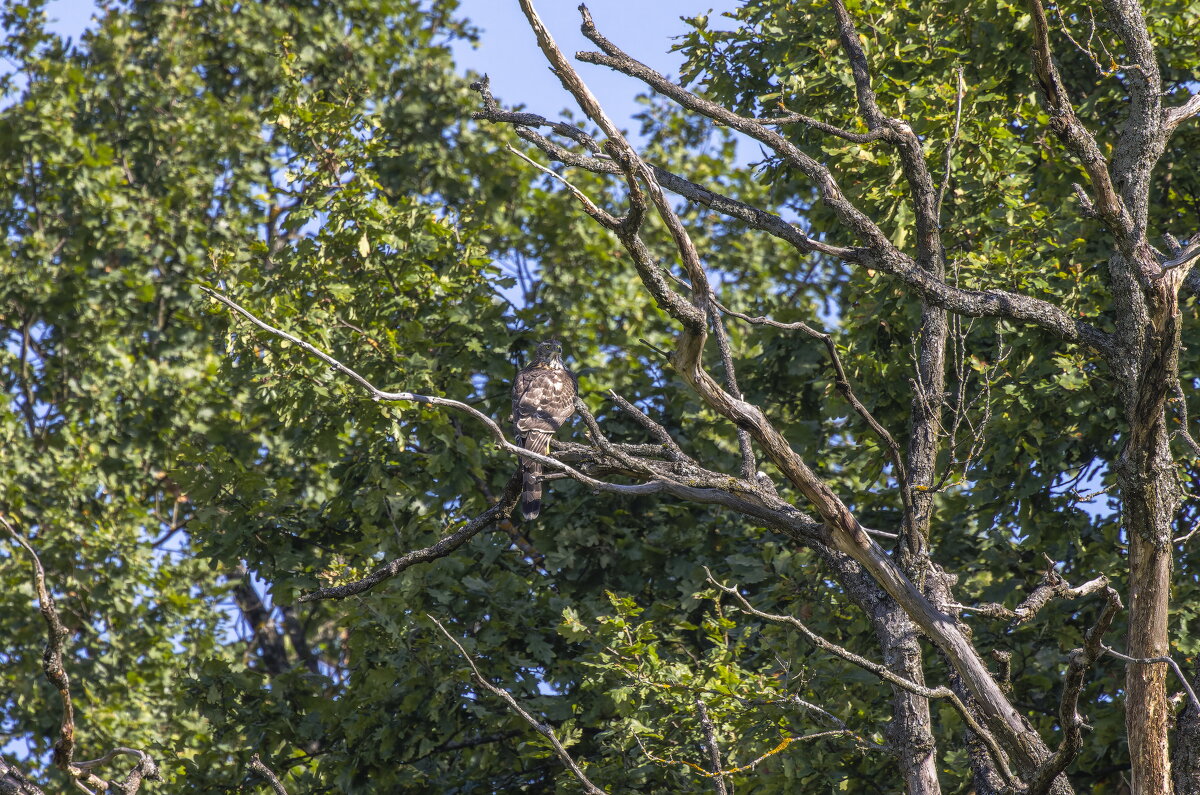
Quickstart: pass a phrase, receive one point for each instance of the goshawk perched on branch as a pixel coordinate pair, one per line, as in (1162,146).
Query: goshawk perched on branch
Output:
(543,398)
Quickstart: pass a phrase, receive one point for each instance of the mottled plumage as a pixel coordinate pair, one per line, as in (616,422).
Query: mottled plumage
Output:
(543,398)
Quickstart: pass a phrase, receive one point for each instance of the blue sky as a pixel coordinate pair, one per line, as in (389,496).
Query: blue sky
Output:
(508,53)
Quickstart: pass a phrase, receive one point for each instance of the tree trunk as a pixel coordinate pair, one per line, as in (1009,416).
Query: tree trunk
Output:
(1185,762)
(1150,497)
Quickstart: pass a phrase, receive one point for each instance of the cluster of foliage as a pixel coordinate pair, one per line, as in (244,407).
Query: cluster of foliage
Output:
(185,479)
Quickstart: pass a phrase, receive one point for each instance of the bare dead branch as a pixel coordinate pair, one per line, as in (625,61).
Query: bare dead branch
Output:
(881,671)
(538,726)
(755,217)
(841,382)
(13,781)
(1177,115)
(1066,125)
(1185,255)
(1052,586)
(656,429)
(746,498)
(844,533)
(820,126)
(714,749)
(52,657)
(80,773)
(494,112)
(930,253)
(1069,719)
(949,156)
(1166,660)
(973,303)
(604,218)
(383,396)
(259,767)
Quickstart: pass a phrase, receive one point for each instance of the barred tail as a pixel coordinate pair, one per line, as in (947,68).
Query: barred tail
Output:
(531,475)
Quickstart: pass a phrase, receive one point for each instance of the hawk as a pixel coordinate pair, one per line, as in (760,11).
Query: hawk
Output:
(543,398)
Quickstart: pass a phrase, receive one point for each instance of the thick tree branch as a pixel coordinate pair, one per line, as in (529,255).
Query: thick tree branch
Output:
(713,748)
(844,533)
(257,765)
(908,146)
(13,781)
(1066,125)
(841,382)
(971,303)
(1177,115)
(747,498)
(1068,713)
(1143,135)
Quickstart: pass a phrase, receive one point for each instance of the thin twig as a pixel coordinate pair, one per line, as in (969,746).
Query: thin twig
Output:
(656,429)
(958,103)
(538,726)
(444,546)
(604,218)
(1195,702)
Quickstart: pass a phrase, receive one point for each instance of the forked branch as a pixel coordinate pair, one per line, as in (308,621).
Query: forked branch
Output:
(878,670)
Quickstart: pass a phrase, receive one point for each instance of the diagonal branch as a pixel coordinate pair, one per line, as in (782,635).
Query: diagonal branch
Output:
(908,146)
(13,781)
(80,773)
(702,487)
(841,382)
(1177,115)
(882,671)
(743,436)
(257,765)
(1066,125)
(1068,713)
(843,532)
(878,251)
(447,544)
(538,726)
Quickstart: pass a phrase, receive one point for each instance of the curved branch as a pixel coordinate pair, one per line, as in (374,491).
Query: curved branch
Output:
(56,673)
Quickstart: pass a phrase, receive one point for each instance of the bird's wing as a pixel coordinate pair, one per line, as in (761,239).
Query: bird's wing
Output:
(542,400)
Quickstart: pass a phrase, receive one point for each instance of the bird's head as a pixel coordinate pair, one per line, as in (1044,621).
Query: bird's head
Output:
(549,353)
